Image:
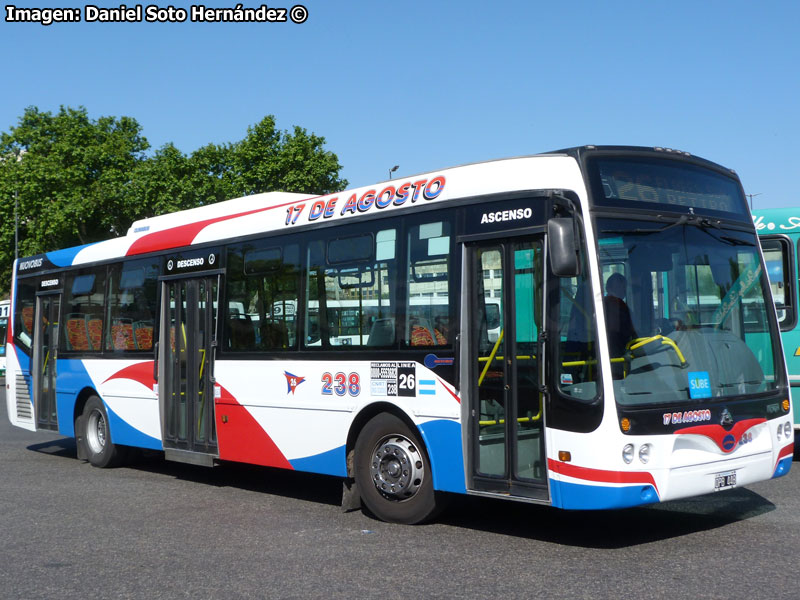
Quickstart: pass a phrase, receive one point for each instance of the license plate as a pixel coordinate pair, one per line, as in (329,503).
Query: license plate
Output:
(723,481)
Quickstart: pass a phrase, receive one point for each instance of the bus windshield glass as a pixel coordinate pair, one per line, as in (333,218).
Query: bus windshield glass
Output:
(686,314)
(641,183)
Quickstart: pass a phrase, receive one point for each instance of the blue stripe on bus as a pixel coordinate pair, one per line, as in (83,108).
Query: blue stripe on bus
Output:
(427,392)
(127,435)
(24,362)
(25,370)
(332,462)
(72,378)
(576,496)
(783,467)
(64,258)
(443,440)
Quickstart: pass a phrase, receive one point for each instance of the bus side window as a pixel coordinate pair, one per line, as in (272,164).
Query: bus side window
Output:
(83,311)
(351,283)
(263,290)
(132,308)
(782,282)
(429,319)
(23,314)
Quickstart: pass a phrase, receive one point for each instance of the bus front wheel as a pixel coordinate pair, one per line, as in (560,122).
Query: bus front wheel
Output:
(100,451)
(393,473)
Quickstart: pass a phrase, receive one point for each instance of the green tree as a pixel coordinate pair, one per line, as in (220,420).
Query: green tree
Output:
(69,175)
(212,174)
(79,180)
(265,160)
(271,160)
(161,184)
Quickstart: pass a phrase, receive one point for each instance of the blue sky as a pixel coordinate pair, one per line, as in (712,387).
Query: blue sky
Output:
(426,85)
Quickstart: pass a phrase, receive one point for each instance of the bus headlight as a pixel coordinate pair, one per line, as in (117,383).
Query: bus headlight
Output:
(780,432)
(627,454)
(787,429)
(644,453)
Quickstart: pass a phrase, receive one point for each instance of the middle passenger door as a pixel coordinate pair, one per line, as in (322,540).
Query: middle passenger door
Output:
(188,342)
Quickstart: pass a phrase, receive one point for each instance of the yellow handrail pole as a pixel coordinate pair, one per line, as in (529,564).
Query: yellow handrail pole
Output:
(491,357)
(665,341)
(519,420)
(674,346)
(498,357)
(639,342)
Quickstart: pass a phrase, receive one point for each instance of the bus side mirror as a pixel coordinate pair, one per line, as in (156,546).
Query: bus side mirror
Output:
(562,247)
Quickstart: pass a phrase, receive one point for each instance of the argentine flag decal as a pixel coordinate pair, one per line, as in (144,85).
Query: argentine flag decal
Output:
(427,387)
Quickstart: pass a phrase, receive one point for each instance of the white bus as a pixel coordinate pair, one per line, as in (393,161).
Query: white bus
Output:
(443,333)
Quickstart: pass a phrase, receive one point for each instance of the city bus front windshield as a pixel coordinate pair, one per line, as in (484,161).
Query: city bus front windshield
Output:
(685,310)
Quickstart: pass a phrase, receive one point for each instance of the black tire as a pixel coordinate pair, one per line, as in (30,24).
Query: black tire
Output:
(100,451)
(393,473)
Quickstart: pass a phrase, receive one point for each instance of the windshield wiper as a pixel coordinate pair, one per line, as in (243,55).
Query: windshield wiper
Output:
(734,241)
(703,223)
(693,219)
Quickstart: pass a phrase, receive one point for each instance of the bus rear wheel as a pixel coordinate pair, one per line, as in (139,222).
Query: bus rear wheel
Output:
(100,451)
(393,473)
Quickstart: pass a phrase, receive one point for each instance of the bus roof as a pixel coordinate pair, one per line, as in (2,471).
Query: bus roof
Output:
(212,211)
(276,211)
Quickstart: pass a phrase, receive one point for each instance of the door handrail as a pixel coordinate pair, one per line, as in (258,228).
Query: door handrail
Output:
(491,357)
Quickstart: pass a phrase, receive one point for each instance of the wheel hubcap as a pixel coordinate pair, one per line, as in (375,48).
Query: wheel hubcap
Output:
(397,468)
(96,432)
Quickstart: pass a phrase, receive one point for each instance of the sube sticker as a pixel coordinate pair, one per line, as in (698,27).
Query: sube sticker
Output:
(699,384)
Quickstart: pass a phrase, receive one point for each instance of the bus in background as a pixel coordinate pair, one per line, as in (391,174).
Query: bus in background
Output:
(4,306)
(587,329)
(779,233)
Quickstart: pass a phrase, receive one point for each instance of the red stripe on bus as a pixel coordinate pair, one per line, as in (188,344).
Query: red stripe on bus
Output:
(140,372)
(240,438)
(718,435)
(785,451)
(184,235)
(449,391)
(599,475)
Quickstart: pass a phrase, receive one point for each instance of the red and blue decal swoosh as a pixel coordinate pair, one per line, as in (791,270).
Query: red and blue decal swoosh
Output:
(241,438)
(183,235)
(239,435)
(785,451)
(725,440)
(602,476)
(140,372)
